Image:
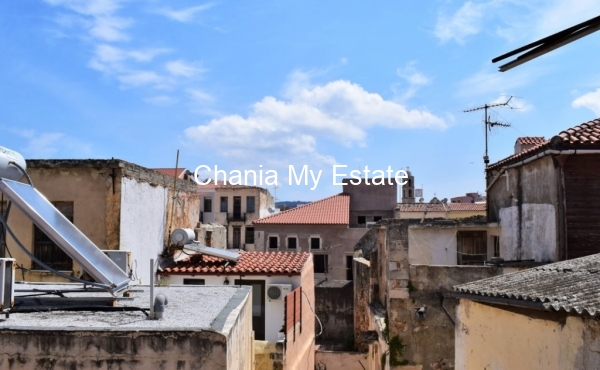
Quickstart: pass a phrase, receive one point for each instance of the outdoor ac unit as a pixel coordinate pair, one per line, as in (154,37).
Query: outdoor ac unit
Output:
(120,258)
(7,280)
(276,292)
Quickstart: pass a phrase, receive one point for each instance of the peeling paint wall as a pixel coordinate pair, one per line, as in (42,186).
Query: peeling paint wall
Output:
(500,337)
(537,231)
(67,349)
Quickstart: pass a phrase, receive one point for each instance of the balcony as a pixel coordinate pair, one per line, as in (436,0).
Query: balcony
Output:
(236,217)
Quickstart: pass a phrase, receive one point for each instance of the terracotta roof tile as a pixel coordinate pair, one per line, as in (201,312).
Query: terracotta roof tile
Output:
(454,207)
(531,140)
(250,263)
(171,171)
(586,135)
(334,210)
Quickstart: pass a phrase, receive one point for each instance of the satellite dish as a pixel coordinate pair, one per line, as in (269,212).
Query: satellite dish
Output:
(421,200)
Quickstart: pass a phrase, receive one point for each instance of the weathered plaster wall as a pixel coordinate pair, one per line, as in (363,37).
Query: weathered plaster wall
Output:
(143,219)
(340,360)
(300,348)
(524,202)
(337,241)
(371,200)
(335,309)
(362,298)
(88,189)
(91,349)
(498,337)
(537,230)
(218,235)
(236,324)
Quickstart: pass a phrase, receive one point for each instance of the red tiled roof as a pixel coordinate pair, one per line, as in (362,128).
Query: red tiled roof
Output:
(584,136)
(421,207)
(250,263)
(334,210)
(531,140)
(586,133)
(171,171)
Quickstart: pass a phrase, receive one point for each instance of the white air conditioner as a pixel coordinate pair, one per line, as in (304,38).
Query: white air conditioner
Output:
(277,292)
(120,258)
(7,281)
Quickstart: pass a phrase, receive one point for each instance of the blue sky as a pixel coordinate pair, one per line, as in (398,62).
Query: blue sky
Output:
(240,84)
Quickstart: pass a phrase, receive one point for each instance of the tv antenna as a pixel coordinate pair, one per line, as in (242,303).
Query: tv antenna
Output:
(489,124)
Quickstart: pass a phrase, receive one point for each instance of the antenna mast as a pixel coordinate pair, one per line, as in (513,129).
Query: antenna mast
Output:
(489,124)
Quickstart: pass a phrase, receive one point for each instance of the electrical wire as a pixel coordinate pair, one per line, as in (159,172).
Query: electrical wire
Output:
(313,311)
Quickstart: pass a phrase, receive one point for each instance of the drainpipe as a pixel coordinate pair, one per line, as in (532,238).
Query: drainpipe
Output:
(152,288)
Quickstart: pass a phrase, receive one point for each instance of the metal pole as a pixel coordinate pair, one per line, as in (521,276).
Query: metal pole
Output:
(152,288)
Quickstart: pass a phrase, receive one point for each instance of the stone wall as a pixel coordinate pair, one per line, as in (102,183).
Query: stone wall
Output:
(335,309)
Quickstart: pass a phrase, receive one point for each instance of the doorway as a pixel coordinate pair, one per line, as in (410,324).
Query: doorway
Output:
(258,306)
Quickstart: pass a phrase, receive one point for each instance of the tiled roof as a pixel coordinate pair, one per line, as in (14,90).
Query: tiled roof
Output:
(334,210)
(584,136)
(226,185)
(572,285)
(171,171)
(531,140)
(587,133)
(250,263)
(421,207)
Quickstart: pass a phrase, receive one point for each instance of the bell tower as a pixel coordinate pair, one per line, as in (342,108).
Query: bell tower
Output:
(408,189)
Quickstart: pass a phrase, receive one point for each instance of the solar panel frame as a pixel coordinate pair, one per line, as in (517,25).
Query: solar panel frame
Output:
(66,236)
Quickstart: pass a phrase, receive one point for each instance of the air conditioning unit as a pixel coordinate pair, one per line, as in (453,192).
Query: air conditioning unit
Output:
(277,292)
(7,281)
(120,258)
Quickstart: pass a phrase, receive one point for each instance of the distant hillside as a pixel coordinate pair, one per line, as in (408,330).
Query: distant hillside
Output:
(286,204)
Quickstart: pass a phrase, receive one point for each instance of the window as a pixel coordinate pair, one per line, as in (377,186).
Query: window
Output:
(224,204)
(362,220)
(273,242)
(321,265)
(292,242)
(249,235)
(45,249)
(376,218)
(207,204)
(315,243)
(496,240)
(249,204)
(193,282)
(471,247)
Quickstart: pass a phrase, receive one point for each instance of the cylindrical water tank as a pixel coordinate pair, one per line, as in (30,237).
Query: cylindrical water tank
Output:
(182,236)
(9,171)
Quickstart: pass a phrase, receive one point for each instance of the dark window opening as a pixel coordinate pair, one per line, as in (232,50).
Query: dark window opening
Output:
(315,243)
(224,206)
(377,218)
(410,193)
(249,235)
(45,249)
(193,282)
(292,242)
(496,246)
(249,204)
(208,239)
(472,248)
(362,220)
(349,268)
(237,238)
(273,242)
(237,207)
(207,204)
(3,206)
(321,265)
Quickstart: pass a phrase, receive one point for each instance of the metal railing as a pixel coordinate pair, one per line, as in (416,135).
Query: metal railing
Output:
(236,217)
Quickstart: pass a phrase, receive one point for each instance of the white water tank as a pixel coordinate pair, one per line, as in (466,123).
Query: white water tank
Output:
(9,171)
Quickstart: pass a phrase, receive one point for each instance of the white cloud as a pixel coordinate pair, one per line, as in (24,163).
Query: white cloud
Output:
(200,96)
(51,144)
(275,130)
(111,59)
(414,78)
(490,82)
(184,15)
(161,100)
(111,28)
(590,101)
(465,22)
(143,78)
(183,69)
